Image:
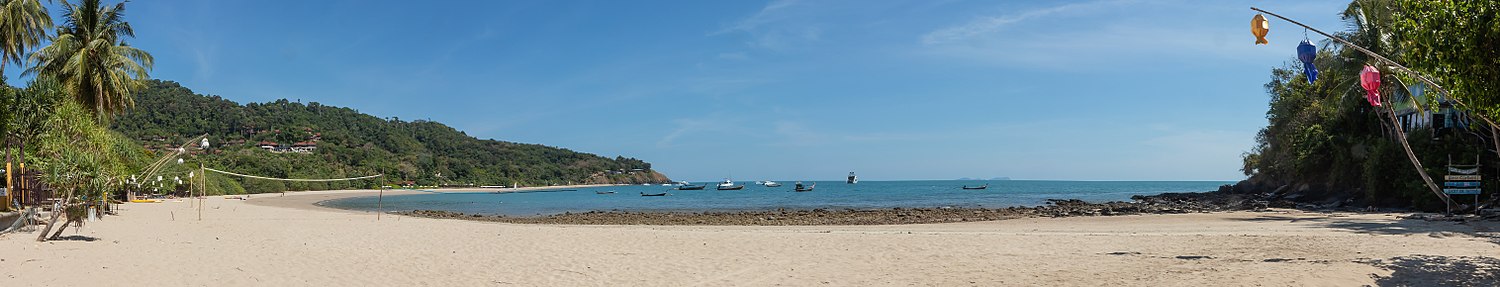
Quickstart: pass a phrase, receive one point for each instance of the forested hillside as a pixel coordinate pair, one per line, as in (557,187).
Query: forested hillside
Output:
(346,143)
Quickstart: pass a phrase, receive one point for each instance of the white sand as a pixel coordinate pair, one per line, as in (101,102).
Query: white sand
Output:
(285,241)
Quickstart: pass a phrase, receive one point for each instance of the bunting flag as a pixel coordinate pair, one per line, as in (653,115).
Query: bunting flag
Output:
(1369,78)
(1307,53)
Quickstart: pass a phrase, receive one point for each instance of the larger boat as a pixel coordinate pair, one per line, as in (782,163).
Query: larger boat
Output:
(729,185)
(853,179)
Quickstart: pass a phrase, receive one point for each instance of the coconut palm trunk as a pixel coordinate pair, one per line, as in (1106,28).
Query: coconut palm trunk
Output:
(1401,137)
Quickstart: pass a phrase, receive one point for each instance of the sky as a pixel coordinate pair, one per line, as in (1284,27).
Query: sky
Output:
(782,89)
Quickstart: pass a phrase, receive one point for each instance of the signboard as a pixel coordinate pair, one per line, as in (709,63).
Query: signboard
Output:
(1462,177)
(1461,184)
(2,191)
(1461,191)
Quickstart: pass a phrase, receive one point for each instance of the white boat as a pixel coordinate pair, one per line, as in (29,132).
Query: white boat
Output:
(770,183)
(853,179)
(729,185)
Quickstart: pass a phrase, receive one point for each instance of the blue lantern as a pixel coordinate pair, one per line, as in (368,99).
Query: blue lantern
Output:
(1307,52)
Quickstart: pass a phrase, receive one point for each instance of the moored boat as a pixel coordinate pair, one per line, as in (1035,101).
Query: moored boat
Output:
(978,187)
(605,192)
(770,183)
(729,185)
(691,187)
(653,194)
(800,188)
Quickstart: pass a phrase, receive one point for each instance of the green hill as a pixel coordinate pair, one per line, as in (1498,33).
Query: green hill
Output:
(346,143)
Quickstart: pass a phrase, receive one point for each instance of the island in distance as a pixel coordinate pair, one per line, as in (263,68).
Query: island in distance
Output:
(992,178)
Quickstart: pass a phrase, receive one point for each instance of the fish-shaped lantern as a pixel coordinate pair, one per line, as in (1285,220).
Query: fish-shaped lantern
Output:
(1307,52)
(1259,26)
(1369,78)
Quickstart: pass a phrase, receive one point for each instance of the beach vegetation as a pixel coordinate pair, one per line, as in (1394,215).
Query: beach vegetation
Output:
(1323,142)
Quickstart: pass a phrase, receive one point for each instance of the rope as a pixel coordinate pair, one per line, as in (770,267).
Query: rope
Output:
(292,179)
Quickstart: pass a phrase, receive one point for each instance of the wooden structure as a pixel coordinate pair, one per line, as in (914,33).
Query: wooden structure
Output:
(1463,179)
(27,189)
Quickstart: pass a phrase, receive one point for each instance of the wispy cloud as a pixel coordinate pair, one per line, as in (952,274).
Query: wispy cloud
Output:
(1124,41)
(686,126)
(776,27)
(734,56)
(771,13)
(990,24)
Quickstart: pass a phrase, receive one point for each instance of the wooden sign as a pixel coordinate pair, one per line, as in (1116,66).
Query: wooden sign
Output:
(1461,184)
(1461,191)
(1462,177)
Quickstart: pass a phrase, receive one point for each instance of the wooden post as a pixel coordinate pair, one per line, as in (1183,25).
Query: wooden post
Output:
(9,192)
(21,168)
(201,193)
(378,201)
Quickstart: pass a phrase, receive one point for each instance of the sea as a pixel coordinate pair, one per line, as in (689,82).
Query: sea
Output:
(827,195)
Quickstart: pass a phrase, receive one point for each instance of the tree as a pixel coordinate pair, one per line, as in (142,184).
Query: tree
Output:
(23,25)
(91,60)
(1457,42)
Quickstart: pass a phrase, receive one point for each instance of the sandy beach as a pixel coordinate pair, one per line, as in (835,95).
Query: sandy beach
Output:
(271,240)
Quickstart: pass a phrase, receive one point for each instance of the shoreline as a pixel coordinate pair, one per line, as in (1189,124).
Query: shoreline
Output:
(1165,203)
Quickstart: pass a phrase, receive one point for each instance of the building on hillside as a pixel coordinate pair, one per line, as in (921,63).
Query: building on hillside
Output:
(267,145)
(304,147)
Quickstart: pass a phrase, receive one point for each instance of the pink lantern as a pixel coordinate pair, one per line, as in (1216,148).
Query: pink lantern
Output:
(1369,78)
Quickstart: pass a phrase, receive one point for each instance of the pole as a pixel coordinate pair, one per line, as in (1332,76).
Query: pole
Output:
(201,193)
(378,207)
(1423,172)
(8,190)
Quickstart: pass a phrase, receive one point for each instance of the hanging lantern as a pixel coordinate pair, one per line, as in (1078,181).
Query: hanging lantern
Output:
(1260,27)
(1369,78)
(1307,53)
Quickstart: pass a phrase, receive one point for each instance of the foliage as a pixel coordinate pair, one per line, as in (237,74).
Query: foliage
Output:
(23,25)
(1323,134)
(351,144)
(1457,42)
(91,60)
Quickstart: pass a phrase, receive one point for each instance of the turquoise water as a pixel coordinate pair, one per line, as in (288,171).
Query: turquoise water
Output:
(829,194)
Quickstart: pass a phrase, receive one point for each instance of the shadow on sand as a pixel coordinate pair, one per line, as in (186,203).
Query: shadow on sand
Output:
(1427,270)
(1398,226)
(75,238)
(1418,270)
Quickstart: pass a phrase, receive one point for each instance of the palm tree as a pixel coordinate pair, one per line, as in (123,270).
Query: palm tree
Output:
(23,25)
(91,60)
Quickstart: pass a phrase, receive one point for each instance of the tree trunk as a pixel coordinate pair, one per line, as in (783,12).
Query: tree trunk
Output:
(57,212)
(63,227)
(1401,134)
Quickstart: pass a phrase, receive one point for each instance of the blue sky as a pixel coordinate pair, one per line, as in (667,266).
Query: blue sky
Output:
(784,89)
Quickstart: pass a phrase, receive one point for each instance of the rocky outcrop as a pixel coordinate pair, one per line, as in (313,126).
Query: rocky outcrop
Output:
(1170,203)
